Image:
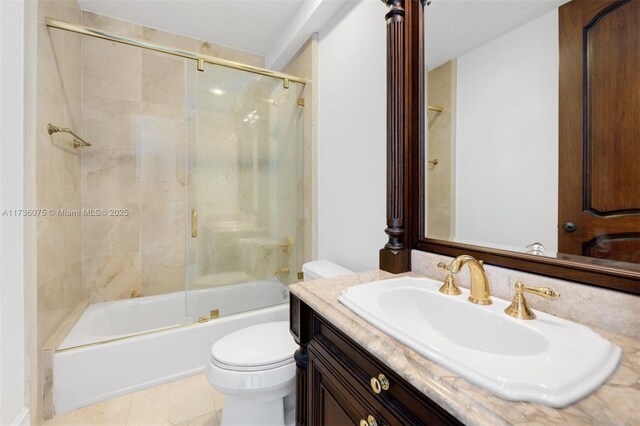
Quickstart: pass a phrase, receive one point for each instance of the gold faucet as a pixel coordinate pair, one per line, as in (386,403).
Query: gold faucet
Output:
(519,309)
(479,291)
(449,286)
(280,271)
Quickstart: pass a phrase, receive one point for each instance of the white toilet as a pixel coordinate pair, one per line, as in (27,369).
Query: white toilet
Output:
(255,369)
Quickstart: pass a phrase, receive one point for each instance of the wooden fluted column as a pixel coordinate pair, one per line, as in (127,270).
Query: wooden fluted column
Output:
(405,131)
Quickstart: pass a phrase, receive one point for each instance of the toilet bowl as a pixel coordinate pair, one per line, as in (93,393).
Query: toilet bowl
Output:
(255,369)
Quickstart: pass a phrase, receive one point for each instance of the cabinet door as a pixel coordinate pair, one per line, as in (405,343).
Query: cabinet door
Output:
(331,403)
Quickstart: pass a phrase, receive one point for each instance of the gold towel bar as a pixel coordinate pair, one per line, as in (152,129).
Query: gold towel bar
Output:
(78,142)
(435,108)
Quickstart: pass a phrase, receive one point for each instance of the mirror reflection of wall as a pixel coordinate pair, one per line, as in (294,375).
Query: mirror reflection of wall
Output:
(501,185)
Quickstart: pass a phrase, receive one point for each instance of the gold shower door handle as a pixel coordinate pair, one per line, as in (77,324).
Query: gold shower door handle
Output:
(194,223)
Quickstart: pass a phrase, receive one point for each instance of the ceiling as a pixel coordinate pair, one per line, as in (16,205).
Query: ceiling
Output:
(455,27)
(276,29)
(250,25)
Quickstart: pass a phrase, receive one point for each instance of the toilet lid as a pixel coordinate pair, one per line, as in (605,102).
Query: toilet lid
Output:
(259,345)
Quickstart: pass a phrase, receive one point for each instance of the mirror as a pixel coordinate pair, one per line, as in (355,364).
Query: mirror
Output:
(492,151)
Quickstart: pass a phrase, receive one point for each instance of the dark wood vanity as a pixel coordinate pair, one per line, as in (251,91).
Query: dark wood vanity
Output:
(340,383)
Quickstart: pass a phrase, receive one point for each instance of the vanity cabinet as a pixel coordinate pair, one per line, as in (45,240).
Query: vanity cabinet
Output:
(340,383)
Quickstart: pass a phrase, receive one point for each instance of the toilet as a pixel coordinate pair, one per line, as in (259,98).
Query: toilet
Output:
(255,370)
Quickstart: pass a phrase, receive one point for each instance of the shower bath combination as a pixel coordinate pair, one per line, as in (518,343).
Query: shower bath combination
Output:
(211,175)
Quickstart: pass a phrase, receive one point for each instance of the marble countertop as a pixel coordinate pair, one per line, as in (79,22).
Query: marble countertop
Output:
(617,402)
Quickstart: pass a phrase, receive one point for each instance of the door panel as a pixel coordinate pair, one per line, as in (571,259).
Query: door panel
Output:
(613,121)
(623,246)
(244,194)
(600,129)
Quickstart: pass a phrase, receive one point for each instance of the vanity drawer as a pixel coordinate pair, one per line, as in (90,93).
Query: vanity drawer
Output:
(401,403)
(333,398)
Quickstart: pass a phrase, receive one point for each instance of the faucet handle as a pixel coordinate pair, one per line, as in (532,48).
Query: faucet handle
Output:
(449,286)
(519,309)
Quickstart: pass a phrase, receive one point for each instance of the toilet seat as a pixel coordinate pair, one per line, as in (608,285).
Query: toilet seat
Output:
(262,367)
(257,348)
(254,359)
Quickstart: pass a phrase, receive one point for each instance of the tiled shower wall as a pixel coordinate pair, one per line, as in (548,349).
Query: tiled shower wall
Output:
(304,64)
(58,245)
(57,164)
(133,111)
(441,88)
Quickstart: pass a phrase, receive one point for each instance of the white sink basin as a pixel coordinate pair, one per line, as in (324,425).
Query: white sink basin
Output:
(548,360)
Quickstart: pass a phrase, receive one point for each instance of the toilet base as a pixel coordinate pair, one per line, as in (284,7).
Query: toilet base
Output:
(241,410)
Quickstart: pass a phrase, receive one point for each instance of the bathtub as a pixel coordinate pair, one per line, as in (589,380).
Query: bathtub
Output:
(104,355)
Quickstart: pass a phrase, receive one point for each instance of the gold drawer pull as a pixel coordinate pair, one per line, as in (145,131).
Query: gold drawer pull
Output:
(380,383)
(371,421)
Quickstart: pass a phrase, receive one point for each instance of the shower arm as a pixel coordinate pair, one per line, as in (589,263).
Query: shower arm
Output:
(78,142)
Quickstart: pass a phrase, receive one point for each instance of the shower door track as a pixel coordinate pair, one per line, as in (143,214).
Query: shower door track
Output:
(199,58)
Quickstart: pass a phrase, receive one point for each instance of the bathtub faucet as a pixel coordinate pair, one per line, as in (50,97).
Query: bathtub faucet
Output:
(280,271)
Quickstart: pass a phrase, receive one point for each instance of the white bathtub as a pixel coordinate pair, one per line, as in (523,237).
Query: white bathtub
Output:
(86,375)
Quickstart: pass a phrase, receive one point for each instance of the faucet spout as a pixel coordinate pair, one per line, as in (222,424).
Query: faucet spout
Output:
(480,292)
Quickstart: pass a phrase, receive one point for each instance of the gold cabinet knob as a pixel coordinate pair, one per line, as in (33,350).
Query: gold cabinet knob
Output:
(371,421)
(380,383)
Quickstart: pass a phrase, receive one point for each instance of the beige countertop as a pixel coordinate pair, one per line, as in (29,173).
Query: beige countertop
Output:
(617,402)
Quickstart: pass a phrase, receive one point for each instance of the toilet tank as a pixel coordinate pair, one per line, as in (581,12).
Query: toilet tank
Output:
(323,269)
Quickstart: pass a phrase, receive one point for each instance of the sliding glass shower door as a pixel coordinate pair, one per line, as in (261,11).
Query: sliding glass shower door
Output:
(244,212)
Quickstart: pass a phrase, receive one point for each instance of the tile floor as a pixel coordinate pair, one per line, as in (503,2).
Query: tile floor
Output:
(187,402)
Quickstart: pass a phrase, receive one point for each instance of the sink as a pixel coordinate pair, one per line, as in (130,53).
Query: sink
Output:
(548,360)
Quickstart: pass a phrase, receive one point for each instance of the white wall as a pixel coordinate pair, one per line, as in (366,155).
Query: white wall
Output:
(352,136)
(12,341)
(507,124)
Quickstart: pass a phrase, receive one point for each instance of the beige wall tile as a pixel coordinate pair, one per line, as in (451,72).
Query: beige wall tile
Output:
(58,246)
(163,79)
(304,64)
(109,124)
(160,129)
(441,138)
(109,179)
(163,179)
(163,227)
(162,248)
(111,70)
(111,277)
(134,111)
(57,182)
(160,276)
(105,235)
(58,74)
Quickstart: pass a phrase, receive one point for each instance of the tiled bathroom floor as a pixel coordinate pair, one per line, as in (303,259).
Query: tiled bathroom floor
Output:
(187,402)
